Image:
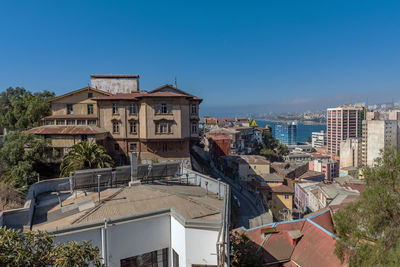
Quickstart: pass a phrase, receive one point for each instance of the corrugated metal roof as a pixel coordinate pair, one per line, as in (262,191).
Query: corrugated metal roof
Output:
(66,130)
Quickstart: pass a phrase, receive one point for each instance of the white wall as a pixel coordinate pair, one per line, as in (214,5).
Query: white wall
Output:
(127,239)
(201,247)
(115,85)
(178,240)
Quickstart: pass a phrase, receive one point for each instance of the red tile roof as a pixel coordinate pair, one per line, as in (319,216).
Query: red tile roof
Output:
(316,248)
(220,137)
(155,93)
(303,242)
(211,121)
(66,130)
(324,220)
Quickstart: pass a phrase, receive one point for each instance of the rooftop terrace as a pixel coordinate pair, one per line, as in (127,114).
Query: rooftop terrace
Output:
(191,201)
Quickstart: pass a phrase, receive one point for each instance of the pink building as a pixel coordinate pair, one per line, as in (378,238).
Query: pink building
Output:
(328,167)
(343,122)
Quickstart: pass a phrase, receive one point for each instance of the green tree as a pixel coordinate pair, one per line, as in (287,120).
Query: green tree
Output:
(271,148)
(20,156)
(369,229)
(21,109)
(244,252)
(84,155)
(308,139)
(38,249)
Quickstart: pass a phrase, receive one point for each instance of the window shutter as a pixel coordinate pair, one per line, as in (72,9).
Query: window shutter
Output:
(169,109)
(157,109)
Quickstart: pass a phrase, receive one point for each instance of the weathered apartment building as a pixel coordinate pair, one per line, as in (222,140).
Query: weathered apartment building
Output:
(161,123)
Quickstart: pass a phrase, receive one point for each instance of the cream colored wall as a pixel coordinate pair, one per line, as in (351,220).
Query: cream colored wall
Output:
(146,118)
(68,140)
(79,101)
(255,169)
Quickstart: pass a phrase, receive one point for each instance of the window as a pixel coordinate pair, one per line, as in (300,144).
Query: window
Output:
(194,127)
(164,109)
(91,122)
(169,127)
(155,258)
(133,126)
(115,127)
(163,127)
(164,147)
(50,122)
(115,108)
(90,95)
(81,122)
(84,137)
(70,109)
(89,109)
(287,196)
(70,122)
(60,122)
(132,109)
(194,109)
(132,147)
(175,258)
(116,147)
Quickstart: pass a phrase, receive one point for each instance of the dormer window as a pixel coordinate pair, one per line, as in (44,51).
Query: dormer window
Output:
(70,109)
(90,109)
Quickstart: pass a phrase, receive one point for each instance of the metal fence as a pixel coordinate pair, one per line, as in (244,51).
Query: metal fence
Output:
(109,177)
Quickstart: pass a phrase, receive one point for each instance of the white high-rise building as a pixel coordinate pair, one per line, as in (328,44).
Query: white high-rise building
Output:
(378,135)
(318,139)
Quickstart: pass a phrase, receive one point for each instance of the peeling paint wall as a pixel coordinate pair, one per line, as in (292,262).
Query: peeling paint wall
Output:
(115,85)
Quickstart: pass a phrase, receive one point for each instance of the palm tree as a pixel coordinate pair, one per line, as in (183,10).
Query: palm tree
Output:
(84,155)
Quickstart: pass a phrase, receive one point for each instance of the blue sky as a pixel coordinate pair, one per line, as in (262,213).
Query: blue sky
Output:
(240,56)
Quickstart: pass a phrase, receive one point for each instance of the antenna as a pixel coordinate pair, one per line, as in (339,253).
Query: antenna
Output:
(176,82)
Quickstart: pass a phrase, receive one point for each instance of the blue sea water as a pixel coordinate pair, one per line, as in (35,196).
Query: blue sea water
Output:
(303,130)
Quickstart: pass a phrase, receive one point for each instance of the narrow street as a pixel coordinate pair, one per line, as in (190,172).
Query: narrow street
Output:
(247,209)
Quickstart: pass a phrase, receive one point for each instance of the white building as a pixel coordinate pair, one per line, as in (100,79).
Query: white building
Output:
(181,221)
(318,139)
(350,152)
(378,135)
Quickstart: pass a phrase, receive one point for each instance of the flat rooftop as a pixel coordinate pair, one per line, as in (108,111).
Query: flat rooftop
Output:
(80,207)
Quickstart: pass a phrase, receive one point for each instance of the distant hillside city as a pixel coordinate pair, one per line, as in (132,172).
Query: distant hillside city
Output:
(149,182)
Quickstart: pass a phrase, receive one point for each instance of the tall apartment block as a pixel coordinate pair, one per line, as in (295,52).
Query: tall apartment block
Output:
(286,133)
(378,135)
(343,122)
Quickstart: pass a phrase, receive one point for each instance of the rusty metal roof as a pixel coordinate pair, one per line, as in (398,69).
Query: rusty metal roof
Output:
(66,130)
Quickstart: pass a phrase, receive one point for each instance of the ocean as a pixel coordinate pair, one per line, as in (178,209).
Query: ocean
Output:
(303,130)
